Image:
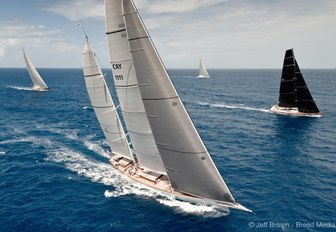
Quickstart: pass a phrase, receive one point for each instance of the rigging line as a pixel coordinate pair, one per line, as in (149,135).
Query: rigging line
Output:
(122,137)
(114,109)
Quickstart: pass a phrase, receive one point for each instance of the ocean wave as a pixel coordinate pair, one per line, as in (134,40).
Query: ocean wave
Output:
(87,108)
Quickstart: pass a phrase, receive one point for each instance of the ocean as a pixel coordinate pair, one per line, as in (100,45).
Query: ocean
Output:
(55,175)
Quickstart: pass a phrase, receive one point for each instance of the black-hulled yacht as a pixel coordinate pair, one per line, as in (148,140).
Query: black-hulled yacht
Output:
(295,98)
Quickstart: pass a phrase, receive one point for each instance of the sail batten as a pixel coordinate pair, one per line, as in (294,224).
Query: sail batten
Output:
(102,104)
(128,92)
(184,155)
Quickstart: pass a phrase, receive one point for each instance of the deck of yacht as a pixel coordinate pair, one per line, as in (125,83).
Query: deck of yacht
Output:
(161,183)
(293,111)
(149,178)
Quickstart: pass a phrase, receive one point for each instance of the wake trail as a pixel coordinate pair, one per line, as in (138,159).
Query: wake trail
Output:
(103,172)
(233,106)
(20,88)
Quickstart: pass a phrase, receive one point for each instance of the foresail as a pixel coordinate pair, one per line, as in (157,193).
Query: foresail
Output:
(305,100)
(34,75)
(287,91)
(128,90)
(189,166)
(102,104)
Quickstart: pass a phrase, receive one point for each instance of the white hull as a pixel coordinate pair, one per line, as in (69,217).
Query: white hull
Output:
(203,77)
(38,88)
(160,182)
(293,111)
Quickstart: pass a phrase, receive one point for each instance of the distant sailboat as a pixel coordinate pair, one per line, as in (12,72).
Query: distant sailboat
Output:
(182,166)
(202,72)
(103,106)
(39,84)
(294,95)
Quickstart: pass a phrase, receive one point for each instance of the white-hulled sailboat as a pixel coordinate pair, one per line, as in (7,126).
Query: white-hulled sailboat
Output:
(104,108)
(202,71)
(294,96)
(170,155)
(38,83)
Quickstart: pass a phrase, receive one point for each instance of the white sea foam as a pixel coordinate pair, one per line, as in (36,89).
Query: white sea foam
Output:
(100,172)
(20,88)
(189,208)
(234,106)
(2,153)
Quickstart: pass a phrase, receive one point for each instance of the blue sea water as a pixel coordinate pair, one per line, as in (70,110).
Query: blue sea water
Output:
(55,175)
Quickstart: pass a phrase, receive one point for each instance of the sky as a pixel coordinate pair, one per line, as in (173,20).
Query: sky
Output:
(225,33)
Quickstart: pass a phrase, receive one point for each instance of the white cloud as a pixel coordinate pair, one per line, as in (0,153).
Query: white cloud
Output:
(77,10)
(5,43)
(176,6)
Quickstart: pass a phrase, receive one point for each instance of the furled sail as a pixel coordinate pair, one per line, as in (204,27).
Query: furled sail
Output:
(128,90)
(34,75)
(202,70)
(189,166)
(102,104)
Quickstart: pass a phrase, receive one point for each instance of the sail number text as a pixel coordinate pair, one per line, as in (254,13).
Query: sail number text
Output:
(116,66)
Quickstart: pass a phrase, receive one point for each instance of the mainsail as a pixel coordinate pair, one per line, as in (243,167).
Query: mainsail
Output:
(189,166)
(203,73)
(294,91)
(305,100)
(34,75)
(127,88)
(102,104)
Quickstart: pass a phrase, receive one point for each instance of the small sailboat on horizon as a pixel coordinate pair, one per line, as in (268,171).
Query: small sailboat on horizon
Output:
(38,83)
(294,96)
(202,71)
(168,153)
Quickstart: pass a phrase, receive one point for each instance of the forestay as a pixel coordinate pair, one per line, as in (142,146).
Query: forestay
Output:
(102,104)
(128,90)
(189,166)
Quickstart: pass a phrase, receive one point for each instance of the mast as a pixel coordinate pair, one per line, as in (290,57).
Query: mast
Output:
(305,100)
(287,97)
(128,92)
(102,104)
(189,166)
(34,75)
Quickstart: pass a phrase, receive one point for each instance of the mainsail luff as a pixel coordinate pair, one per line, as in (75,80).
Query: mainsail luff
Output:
(287,93)
(202,70)
(128,92)
(102,104)
(34,75)
(189,166)
(305,101)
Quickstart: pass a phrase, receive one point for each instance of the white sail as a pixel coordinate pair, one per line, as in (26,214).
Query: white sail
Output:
(189,166)
(203,73)
(102,104)
(38,82)
(128,90)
